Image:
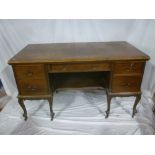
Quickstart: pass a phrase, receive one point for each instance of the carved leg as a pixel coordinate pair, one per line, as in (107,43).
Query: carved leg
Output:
(138,97)
(21,103)
(109,97)
(50,100)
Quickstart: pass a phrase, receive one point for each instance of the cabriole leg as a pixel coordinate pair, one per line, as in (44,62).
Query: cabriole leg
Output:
(109,97)
(138,97)
(21,103)
(50,101)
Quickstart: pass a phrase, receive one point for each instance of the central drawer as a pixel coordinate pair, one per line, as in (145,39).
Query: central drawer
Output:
(79,67)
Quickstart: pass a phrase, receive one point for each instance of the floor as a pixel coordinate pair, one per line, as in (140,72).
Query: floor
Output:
(4,99)
(79,112)
(153,99)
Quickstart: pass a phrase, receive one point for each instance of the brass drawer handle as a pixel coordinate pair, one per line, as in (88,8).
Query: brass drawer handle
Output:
(64,68)
(29,87)
(93,67)
(29,73)
(125,84)
(32,88)
(131,67)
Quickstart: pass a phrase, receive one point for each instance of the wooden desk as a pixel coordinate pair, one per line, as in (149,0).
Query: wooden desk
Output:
(40,69)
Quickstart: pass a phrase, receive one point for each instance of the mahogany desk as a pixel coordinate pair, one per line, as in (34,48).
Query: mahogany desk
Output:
(40,69)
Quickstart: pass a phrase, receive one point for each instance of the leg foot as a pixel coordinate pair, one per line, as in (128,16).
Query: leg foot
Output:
(50,101)
(108,105)
(21,103)
(52,116)
(107,114)
(25,117)
(138,97)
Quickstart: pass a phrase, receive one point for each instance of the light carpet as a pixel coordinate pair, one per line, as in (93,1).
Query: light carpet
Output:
(79,112)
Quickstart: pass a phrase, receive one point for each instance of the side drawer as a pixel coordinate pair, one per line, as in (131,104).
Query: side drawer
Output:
(31,87)
(32,71)
(128,67)
(126,84)
(55,68)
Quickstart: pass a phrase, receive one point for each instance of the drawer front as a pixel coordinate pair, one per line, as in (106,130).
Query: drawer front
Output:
(126,84)
(29,71)
(31,87)
(55,68)
(128,67)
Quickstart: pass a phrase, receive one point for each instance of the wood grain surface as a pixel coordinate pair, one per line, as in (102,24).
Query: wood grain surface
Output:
(78,52)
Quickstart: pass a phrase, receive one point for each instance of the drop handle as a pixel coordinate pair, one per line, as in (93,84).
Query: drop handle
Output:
(93,67)
(64,68)
(126,84)
(29,87)
(32,88)
(131,67)
(29,73)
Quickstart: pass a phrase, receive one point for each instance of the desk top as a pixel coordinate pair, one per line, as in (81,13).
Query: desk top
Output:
(78,52)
